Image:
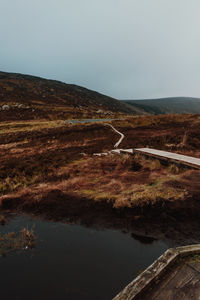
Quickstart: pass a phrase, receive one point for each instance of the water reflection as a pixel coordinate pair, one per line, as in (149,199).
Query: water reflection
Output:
(73,262)
(143,239)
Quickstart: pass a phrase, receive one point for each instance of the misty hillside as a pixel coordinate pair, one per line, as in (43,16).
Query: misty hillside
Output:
(30,97)
(176,105)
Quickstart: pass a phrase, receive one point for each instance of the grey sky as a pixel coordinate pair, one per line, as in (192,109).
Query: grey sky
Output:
(122,48)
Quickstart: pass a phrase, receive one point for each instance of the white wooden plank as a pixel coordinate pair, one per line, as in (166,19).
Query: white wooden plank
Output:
(169,155)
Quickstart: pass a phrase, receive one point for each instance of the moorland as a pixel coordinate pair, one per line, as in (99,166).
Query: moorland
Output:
(47,167)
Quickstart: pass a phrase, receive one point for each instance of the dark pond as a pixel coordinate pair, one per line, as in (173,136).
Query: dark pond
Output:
(73,262)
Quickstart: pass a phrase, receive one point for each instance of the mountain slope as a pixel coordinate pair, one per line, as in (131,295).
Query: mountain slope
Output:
(177,105)
(30,97)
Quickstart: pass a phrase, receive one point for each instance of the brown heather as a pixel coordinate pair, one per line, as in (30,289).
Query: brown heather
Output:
(42,158)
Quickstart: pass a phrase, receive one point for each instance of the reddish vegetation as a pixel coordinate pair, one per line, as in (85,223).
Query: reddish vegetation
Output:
(30,97)
(45,170)
(47,167)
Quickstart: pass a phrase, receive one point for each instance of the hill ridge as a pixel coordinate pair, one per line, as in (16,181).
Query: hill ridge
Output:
(30,97)
(167,105)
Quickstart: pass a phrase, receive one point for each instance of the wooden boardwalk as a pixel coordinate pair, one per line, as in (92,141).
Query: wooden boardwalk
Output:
(178,158)
(159,154)
(175,275)
(181,282)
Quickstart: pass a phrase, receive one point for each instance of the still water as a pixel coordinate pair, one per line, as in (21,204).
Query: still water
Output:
(73,262)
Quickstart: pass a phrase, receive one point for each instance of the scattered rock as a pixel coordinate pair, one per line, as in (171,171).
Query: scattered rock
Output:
(83,154)
(101,154)
(5,107)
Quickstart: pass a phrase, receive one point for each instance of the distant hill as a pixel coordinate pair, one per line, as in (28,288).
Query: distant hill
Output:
(30,97)
(176,105)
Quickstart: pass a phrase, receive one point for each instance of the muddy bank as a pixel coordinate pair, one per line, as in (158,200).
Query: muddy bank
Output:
(176,223)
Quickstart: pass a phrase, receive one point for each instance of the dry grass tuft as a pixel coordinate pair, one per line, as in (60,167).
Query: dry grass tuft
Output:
(12,241)
(113,179)
(3,220)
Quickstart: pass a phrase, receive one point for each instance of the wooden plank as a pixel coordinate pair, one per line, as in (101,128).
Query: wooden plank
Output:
(181,278)
(144,280)
(183,159)
(180,284)
(129,151)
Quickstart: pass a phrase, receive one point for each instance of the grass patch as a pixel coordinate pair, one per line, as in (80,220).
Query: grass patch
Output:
(3,220)
(113,179)
(17,126)
(12,241)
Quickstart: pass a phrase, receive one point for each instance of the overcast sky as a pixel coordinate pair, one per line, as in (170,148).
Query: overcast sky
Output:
(122,48)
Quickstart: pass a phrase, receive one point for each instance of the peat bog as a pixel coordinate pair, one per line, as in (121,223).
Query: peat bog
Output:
(98,220)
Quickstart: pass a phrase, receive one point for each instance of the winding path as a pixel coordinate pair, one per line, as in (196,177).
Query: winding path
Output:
(178,158)
(121,134)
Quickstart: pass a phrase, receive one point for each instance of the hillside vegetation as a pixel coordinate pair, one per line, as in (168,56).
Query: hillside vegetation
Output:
(175,105)
(49,168)
(29,97)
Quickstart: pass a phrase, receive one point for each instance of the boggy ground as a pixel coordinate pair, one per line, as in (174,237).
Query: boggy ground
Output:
(47,168)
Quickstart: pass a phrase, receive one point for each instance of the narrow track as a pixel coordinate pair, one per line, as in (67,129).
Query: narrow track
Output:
(121,134)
